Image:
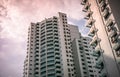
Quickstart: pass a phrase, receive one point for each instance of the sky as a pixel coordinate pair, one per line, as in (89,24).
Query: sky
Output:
(16,16)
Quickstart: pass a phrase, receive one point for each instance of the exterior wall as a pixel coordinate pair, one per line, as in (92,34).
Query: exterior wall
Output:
(99,12)
(50,54)
(74,32)
(65,40)
(77,58)
(44,55)
(29,61)
(84,61)
(115,10)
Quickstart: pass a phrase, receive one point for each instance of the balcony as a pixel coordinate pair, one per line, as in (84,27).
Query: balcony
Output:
(88,15)
(97,53)
(106,13)
(92,31)
(113,33)
(103,8)
(95,41)
(103,5)
(100,65)
(116,46)
(114,39)
(110,22)
(90,23)
(84,2)
(86,7)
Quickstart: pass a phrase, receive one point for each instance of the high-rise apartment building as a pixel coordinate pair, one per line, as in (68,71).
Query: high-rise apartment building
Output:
(49,52)
(82,54)
(84,61)
(53,50)
(103,19)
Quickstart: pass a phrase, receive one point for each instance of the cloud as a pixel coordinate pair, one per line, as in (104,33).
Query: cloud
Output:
(11,57)
(14,22)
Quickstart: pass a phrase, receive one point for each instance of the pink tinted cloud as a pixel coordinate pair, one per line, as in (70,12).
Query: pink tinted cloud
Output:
(13,28)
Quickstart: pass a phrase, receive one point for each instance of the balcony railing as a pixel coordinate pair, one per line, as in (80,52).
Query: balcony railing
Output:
(106,13)
(116,46)
(103,5)
(113,33)
(86,7)
(88,15)
(92,31)
(90,23)
(110,22)
(97,53)
(95,41)
(100,65)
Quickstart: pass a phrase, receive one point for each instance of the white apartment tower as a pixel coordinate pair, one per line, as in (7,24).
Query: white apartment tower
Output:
(83,54)
(84,61)
(103,20)
(49,52)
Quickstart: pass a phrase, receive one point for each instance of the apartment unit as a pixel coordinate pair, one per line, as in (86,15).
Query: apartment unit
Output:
(49,52)
(103,19)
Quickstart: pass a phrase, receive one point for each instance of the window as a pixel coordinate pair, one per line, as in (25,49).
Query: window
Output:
(58,67)
(85,72)
(84,68)
(68,64)
(88,57)
(58,71)
(48,27)
(91,75)
(91,70)
(51,75)
(68,69)
(69,75)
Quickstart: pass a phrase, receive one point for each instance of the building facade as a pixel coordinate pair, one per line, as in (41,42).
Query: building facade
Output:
(49,52)
(84,61)
(103,20)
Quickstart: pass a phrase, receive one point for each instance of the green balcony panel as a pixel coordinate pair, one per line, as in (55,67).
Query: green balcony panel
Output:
(97,53)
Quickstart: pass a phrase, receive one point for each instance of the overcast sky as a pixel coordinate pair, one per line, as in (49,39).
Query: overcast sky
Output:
(15,17)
